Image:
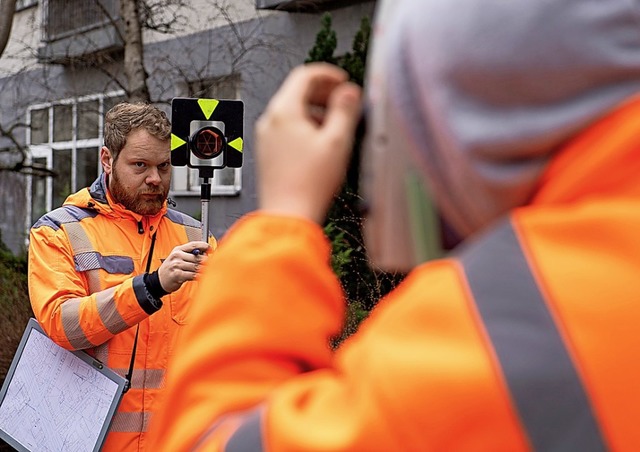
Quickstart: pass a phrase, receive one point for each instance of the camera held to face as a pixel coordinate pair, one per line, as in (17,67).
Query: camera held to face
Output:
(206,133)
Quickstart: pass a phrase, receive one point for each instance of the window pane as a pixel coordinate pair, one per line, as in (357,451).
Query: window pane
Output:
(62,122)
(38,193)
(86,167)
(62,180)
(179,178)
(227,87)
(225,176)
(112,101)
(221,88)
(194,179)
(88,115)
(40,126)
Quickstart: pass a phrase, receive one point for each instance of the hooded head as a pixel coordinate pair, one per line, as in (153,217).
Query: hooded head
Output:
(468,101)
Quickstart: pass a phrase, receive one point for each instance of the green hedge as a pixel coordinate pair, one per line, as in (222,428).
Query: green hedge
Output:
(15,309)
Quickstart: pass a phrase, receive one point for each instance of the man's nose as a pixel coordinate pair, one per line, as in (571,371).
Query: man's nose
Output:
(153,177)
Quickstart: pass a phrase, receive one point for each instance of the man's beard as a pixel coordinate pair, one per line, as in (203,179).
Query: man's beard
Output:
(134,201)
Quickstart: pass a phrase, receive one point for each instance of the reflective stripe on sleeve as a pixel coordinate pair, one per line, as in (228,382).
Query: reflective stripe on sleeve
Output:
(70,315)
(78,239)
(108,312)
(81,246)
(544,384)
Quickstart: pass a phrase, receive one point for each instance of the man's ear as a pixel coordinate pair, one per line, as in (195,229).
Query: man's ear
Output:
(106,160)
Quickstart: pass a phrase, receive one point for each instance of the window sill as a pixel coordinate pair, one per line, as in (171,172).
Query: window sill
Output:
(215,191)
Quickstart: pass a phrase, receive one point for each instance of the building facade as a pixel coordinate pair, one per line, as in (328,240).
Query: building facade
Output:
(63,69)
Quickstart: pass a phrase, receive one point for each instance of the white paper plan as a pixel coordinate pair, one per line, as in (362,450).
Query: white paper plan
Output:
(56,401)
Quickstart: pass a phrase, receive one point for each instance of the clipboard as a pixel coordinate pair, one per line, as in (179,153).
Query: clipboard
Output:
(56,399)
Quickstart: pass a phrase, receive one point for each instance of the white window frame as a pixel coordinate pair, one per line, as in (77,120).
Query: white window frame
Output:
(46,150)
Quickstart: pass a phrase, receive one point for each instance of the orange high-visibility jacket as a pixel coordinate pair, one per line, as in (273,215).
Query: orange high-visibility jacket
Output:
(526,338)
(86,261)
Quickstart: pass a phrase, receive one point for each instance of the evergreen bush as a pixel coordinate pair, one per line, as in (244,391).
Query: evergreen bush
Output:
(363,286)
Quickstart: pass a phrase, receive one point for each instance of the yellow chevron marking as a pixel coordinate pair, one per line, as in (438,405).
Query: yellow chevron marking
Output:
(208,106)
(237,144)
(176,142)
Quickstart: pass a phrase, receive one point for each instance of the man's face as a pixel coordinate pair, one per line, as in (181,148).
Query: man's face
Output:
(139,179)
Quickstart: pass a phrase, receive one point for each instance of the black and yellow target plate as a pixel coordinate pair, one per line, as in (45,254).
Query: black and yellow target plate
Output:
(185,110)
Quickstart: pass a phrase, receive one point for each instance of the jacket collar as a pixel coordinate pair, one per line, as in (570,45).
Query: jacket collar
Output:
(99,198)
(604,160)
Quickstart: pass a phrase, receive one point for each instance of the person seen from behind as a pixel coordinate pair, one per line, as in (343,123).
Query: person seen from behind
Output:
(513,125)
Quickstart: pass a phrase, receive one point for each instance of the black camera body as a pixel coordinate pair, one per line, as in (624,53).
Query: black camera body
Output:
(207,133)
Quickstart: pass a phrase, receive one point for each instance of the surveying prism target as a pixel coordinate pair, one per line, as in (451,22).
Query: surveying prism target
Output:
(207,133)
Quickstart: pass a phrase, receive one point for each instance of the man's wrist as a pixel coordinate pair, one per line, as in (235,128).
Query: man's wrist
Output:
(152,283)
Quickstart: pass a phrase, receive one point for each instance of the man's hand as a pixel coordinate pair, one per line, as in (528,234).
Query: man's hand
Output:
(304,139)
(182,265)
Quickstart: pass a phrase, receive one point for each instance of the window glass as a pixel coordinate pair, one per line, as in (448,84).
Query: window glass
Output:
(112,101)
(225,176)
(62,180)
(219,88)
(75,123)
(86,167)
(88,119)
(40,126)
(62,123)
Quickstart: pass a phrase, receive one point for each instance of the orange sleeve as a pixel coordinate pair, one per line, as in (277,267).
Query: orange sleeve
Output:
(254,367)
(62,302)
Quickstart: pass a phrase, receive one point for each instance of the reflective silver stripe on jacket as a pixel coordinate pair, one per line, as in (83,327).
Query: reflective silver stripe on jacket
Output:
(130,422)
(545,387)
(70,318)
(108,313)
(144,378)
(192,227)
(80,243)
(247,437)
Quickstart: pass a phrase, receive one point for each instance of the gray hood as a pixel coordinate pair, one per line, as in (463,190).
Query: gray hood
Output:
(488,90)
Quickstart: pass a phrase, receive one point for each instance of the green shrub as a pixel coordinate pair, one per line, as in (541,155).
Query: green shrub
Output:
(15,308)
(362,285)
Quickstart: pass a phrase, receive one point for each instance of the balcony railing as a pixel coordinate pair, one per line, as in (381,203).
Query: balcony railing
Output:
(78,30)
(70,17)
(305,5)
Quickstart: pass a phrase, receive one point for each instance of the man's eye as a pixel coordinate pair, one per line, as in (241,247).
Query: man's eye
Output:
(164,166)
(139,164)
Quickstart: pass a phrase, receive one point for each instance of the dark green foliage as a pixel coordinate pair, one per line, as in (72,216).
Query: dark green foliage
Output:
(354,62)
(326,43)
(363,286)
(15,308)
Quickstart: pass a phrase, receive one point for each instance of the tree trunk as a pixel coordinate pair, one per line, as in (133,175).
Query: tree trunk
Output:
(133,52)
(7,8)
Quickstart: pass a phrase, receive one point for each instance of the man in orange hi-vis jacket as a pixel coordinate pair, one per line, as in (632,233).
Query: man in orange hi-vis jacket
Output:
(114,266)
(515,123)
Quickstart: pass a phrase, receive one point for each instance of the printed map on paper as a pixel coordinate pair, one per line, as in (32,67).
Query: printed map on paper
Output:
(55,401)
